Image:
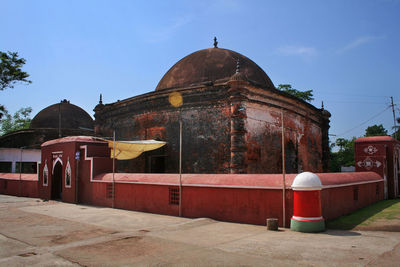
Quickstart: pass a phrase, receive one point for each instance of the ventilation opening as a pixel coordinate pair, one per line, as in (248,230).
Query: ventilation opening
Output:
(174,196)
(109,191)
(355,193)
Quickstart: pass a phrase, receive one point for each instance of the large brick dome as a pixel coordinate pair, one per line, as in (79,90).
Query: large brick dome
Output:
(212,65)
(72,117)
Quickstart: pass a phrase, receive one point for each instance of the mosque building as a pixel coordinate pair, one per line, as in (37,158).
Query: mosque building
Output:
(234,129)
(233,121)
(232,117)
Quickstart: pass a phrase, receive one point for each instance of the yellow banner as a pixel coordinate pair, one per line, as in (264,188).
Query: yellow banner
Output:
(132,149)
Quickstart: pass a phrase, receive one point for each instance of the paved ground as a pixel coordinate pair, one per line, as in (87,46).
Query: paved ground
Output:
(37,233)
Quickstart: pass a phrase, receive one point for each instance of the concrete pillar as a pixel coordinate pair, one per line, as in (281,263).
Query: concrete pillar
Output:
(307,212)
(13,166)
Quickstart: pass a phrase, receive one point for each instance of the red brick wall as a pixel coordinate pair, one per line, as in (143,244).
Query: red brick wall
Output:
(242,203)
(339,201)
(18,188)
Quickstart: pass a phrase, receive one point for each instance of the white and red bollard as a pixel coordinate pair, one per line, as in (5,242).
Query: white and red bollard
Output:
(307,213)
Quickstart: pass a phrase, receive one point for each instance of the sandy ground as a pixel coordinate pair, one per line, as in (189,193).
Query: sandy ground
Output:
(37,233)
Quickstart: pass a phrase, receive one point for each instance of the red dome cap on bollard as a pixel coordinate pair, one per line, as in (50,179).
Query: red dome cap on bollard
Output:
(307,212)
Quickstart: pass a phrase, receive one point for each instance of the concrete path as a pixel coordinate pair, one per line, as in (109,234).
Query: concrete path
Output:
(37,233)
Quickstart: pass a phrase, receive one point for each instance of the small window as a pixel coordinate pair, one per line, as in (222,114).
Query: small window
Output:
(26,167)
(5,166)
(174,196)
(355,193)
(68,175)
(45,174)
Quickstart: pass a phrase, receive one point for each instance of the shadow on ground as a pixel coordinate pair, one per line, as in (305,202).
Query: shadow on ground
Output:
(341,233)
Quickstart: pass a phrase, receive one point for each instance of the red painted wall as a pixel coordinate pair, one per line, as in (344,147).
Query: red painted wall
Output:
(252,206)
(233,197)
(340,201)
(243,198)
(65,152)
(10,184)
(90,149)
(380,154)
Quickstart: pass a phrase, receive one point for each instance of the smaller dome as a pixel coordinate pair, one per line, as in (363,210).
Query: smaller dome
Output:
(306,181)
(72,117)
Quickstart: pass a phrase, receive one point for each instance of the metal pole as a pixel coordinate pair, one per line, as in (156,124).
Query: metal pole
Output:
(394,118)
(180,168)
(77,179)
(59,120)
(283,174)
(20,174)
(113,177)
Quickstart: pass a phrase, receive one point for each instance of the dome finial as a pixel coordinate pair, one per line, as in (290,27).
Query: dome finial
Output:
(238,65)
(238,76)
(101,99)
(215,42)
(322,105)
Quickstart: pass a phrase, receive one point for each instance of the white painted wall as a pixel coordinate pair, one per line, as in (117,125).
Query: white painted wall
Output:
(14,155)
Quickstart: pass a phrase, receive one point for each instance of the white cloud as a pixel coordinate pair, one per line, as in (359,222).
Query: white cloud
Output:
(290,50)
(358,42)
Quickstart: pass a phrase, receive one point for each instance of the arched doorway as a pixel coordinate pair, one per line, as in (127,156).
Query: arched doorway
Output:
(56,182)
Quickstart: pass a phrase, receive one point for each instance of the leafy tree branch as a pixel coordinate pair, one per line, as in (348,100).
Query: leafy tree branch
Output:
(304,95)
(20,120)
(11,70)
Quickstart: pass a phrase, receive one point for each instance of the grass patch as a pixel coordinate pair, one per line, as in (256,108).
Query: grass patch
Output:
(383,210)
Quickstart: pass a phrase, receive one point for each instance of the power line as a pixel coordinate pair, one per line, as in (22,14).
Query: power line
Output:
(355,102)
(373,117)
(344,94)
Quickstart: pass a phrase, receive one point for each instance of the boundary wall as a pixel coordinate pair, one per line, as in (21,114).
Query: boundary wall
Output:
(78,169)
(14,184)
(242,198)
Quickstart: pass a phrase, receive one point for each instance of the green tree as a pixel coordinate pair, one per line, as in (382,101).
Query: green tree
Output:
(396,129)
(11,73)
(344,156)
(376,130)
(2,111)
(304,95)
(20,120)
(11,70)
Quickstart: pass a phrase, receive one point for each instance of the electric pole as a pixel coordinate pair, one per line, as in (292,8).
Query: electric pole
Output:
(394,118)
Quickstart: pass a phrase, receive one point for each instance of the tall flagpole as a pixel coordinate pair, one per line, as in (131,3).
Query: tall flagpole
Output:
(113,175)
(283,174)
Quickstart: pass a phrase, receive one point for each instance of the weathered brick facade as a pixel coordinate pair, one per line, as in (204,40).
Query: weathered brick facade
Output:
(230,124)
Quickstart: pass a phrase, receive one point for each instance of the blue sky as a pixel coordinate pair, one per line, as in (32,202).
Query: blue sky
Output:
(347,52)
